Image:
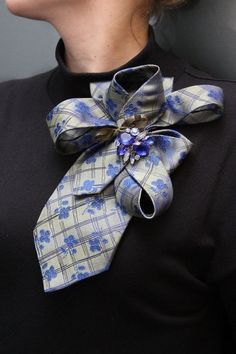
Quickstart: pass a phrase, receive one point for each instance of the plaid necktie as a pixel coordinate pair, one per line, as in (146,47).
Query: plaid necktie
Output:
(125,157)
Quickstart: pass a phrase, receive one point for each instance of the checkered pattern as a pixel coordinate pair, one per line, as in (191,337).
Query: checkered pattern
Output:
(80,227)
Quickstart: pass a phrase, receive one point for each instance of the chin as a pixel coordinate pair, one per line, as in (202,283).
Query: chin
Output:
(24,8)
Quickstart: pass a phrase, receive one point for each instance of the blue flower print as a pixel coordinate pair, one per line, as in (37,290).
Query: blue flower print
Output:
(130,110)
(50,115)
(215,94)
(78,275)
(81,276)
(152,158)
(94,245)
(64,213)
(164,143)
(111,104)
(96,204)
(112,170)
(88,185)
(90,159)
(158,185)
(173,103)
(50,273)
(62,182)
(42,238)
(70,243)
(63,210)
(96,242)
(57,129)
(128,182)
(81,107)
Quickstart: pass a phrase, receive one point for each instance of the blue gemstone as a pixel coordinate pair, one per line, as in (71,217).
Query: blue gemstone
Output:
(121,150)
(149,140)
(141,149)
(126,139)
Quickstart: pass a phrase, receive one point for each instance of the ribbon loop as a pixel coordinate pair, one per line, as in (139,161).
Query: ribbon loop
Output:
(191,105)
(74,124)
(172,147)
(144,195)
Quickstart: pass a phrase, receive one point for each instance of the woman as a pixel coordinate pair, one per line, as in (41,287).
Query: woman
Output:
(172,283)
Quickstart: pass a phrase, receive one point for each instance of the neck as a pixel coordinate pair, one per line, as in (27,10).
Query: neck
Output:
(101,37)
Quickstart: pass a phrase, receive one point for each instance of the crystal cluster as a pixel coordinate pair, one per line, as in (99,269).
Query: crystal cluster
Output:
(133,144)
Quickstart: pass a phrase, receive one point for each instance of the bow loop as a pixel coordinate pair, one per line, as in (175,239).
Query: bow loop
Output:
(191,105)
(144,190)
(75,124)
(134,91)
(172,148)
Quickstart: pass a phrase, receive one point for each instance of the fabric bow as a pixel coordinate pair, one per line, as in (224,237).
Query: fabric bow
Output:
(125,157)
(124,118)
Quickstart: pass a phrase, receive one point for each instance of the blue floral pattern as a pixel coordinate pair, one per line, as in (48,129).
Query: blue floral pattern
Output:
(63,210)
(111,104)
(215,94)
(88,185)
(152,158)
(49,273)
(42,238)
(130,110)
(164,143)
(83,108)
(61,185)
(158,185)
(95,204)
(51,114)
(59,127)
(80,273)
(173,103)
(112,170)
(70,245)
(90,159)
(96,242)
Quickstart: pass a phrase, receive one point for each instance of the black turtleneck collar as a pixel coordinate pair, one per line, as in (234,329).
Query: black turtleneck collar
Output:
(64,84)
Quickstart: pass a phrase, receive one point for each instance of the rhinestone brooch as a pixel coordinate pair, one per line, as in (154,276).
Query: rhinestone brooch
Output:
(132,144)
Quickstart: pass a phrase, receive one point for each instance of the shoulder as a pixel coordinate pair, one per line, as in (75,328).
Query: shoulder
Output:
(194,76)
(25,82)
(16,90)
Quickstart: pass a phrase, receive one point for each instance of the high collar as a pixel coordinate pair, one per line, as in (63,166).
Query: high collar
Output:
(64,84)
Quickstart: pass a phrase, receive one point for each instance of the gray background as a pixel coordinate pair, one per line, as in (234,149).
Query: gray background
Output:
(203,32)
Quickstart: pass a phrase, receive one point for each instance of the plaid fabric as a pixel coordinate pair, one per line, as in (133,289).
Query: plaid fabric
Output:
(83,221)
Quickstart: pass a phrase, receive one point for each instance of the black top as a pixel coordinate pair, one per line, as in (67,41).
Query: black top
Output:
(172,284)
